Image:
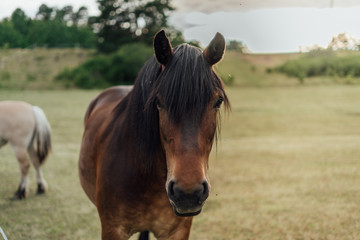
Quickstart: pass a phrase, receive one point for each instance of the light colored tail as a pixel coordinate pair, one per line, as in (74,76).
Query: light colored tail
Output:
(42,134)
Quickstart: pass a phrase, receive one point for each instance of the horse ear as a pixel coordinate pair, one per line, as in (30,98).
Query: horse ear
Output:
(214,52)
(162,47)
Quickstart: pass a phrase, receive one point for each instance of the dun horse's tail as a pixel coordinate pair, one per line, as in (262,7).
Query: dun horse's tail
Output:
(42,134)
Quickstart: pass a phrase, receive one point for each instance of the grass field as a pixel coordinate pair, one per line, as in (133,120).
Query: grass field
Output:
(36,68)
(287,167)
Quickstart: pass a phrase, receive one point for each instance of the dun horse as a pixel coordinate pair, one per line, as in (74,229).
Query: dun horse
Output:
(145,150)
(27,130)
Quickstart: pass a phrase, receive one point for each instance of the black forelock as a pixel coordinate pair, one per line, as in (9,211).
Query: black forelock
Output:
(187,84)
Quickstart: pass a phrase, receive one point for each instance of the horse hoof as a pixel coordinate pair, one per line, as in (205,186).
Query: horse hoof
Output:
(41,189)
(19,194)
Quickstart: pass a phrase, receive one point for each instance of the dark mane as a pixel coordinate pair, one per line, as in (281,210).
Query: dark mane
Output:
(187,84)
(185,87)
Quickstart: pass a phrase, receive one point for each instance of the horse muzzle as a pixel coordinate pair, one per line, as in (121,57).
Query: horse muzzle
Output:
(187,203)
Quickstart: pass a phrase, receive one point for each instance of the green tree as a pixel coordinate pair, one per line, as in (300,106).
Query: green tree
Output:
(58,34)
(45,13)
(80,18)
(52,27)
(20,21)
(70,17)
(124,21)
(64,14)
(238,46)
(63,27)
(9,37)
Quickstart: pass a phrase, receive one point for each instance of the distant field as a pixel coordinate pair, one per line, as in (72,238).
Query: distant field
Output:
(286,167)
(252,70)
(36,68)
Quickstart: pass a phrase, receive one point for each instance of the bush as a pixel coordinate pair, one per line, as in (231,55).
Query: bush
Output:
(5,75)
(103,71)
(321,63)
(126,63)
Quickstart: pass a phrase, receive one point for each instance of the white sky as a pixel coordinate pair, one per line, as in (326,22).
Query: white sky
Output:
(264,26)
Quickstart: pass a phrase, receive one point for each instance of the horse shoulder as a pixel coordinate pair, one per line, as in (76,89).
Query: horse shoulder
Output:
(91,146)
(97,118)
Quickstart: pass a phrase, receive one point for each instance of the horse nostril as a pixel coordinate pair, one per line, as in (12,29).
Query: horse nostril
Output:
(205,192)
(171,191)
(205,186)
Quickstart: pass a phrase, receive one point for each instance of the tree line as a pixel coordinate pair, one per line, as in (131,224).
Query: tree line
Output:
(119,22)
(51,27)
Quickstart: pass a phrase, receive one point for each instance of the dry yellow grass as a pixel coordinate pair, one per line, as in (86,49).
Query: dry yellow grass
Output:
(287,166)
(250,69)
(257,70)
(36,68)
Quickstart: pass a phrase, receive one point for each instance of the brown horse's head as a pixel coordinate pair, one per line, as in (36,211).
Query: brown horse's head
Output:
(188,95)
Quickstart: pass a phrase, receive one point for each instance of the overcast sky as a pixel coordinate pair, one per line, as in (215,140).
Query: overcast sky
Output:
(264,26)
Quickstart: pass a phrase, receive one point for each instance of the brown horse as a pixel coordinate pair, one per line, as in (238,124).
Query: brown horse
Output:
(145,150)
(28,131)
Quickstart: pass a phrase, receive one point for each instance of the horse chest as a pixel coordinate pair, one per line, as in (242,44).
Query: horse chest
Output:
(155,215)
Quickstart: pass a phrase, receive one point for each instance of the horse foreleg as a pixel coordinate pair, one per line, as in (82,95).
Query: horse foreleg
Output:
(41,183)
(22,157)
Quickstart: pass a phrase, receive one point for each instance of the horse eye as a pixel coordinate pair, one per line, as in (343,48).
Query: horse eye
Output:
(218,103)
